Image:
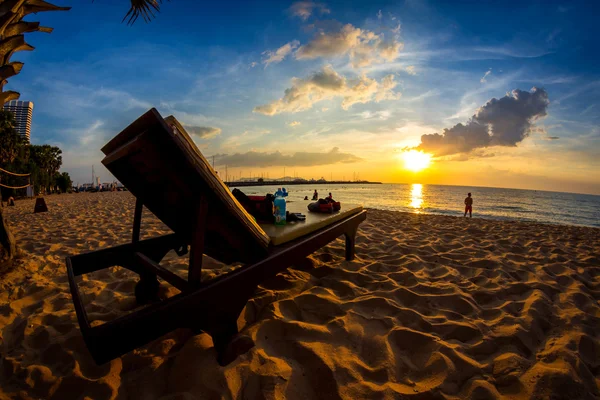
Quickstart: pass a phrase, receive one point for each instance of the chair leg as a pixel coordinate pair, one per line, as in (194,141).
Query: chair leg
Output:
(228,344)
(350,241)
(222,337)
(146,290)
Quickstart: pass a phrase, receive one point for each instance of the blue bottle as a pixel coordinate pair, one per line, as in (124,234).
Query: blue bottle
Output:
(279,206)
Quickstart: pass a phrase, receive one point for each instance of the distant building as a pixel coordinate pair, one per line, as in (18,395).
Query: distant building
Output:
(22,110)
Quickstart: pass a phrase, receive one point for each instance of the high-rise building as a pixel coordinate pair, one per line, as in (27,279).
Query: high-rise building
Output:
(22,110)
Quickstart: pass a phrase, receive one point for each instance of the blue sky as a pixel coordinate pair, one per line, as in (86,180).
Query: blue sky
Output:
(365,80)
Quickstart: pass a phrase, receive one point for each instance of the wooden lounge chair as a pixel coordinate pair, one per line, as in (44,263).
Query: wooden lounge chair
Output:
(157,161)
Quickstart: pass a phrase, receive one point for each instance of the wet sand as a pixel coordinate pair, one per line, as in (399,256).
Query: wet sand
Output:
(433,307)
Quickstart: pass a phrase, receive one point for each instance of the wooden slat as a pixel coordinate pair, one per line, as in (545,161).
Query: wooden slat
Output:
(167,275)
(126,149)
(136,128)
(137,221)
(197,244)
(159,163)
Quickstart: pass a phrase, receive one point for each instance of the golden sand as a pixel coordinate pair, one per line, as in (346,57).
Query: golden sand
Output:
(432,307)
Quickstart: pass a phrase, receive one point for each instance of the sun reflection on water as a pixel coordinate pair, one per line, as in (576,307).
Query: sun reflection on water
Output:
(416,197)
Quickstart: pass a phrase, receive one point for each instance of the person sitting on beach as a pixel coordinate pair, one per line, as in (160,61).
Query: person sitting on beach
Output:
(330,198)
(315,195)
(469,205)
(11,201)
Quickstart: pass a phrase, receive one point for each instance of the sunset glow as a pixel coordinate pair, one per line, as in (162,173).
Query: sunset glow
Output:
(416,160)
(332,90)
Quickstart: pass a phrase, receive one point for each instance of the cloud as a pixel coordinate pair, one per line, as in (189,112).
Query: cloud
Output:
(298,159)
(381,115)
(278,55)
(327,84)
(552,137)
(304,9)
(587,109)
(203,132)
(500,122)
(363,47)
(411,70)
(294,123)
(247,139)
(472,155)
(488,72)
(379,15)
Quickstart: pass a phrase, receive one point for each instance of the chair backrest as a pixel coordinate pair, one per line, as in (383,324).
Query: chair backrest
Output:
(158,162)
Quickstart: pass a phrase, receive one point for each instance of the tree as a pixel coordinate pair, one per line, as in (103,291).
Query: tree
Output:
(9,138)
(9,143)
(45,161)
(64,182)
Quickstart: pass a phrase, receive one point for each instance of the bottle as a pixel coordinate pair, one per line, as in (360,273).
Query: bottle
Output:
(279,205)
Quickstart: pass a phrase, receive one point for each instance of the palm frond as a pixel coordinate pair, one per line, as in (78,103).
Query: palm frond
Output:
(143,8)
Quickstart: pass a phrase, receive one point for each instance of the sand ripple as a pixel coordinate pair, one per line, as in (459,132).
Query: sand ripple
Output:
(432,307)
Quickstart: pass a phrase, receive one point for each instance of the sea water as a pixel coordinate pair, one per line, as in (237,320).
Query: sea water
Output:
(495,203)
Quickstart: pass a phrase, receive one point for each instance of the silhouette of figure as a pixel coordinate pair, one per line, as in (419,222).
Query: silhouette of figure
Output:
(469,205)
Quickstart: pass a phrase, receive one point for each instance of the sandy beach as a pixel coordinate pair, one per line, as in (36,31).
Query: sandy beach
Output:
(433,307)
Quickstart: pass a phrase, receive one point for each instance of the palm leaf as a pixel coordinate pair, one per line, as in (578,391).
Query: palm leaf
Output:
(143,8)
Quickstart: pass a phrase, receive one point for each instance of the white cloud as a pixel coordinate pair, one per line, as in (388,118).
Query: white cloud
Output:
(396,30)
(487,73)
(328,84)
(304,9)
(280,54)
(294,123)
(263,159)
(379,14)
(411,70)
(363,47)
(248,138)
(381,115)
(203,132)
(68,96)
(423,96)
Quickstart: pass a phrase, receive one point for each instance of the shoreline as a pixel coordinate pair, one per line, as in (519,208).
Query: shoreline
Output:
(421,212)
(489,218)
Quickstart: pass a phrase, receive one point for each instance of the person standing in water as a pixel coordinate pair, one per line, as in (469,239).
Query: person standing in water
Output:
(315,195)
(469,205)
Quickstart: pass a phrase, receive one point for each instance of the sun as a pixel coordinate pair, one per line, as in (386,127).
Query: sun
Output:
(416,160)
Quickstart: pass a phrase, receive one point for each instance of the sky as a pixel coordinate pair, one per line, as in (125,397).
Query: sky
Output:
(501,94)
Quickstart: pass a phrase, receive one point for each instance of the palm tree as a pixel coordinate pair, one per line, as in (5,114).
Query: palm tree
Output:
(12,40)
(9,140)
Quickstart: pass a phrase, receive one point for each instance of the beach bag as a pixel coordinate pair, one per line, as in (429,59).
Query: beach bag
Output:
(260,207)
